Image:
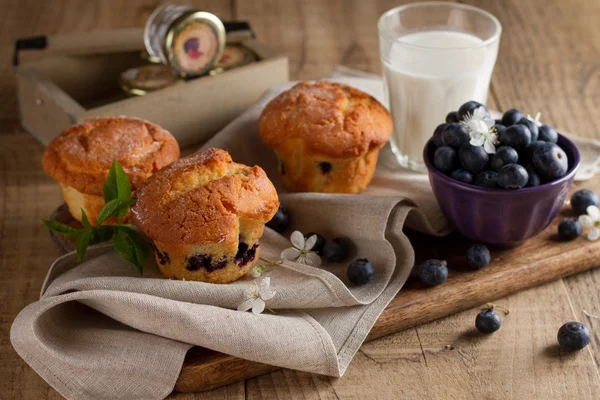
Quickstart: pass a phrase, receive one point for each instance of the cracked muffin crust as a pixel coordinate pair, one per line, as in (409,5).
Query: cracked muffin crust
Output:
(80,158)
(205,215)
(326,135)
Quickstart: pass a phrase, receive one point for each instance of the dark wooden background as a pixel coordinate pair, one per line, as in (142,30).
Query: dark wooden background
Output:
(549,61)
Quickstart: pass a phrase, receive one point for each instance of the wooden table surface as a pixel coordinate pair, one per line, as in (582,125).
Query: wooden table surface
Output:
(549,61)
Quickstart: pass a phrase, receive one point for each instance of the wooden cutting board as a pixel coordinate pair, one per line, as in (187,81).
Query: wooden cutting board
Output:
(541,259)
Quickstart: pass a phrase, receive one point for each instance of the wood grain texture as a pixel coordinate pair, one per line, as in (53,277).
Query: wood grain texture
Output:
(549,61)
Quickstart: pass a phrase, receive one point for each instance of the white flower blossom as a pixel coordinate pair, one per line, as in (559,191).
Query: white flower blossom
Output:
(481,129)
(257,295)
(300,251)
(591,220)
(257,271)
(536,119)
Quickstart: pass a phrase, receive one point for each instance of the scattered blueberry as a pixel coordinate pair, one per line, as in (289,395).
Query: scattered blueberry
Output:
(517,136)
(320,241)
(550,161)
(573,336)
(504,155)
(360,271)
(452,117)
(469,107)
(569,229)
(548,134)
(454,135)
(433,272)
(511,117)
(462,175)
(473,158)
(478,256)
(534,178)
(499,128)
(445,159)
(437,135)
(280,220)
(533,128)
(582,199)
(512,176)
(335,250)
(488,321)
(487,179)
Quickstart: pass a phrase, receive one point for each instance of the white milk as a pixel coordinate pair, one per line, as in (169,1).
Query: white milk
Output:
(425,81)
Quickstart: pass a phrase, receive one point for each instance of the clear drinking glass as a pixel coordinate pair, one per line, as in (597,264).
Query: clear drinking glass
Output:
(435,56)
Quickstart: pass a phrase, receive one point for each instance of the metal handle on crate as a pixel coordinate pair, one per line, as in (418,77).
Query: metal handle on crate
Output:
(37,43)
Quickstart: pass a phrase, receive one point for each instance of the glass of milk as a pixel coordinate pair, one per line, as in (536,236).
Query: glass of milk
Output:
(435,57)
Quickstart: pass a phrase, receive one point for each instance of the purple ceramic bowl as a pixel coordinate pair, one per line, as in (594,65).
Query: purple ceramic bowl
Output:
(501,216)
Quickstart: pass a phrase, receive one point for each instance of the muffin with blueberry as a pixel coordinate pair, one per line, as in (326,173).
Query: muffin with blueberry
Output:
(81,156)
(326,136)
(205,215)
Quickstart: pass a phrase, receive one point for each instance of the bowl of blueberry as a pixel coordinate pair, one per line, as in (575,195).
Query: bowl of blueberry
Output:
(499,181)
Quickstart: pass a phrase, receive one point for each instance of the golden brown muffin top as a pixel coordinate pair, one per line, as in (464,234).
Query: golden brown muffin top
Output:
(81,156)
(201,199)
(330,118)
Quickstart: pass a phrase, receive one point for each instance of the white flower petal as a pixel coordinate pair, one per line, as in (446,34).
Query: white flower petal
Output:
(313,259)
(290,254)
(246,305)
(479,113)
(479,141)
(593,212)
(489,122)
(310,242)
(594,234)
(267,294)
(301,259)
(264,284)
(258,306)
(297,239)
(255,273)
(586,221)
(489,147)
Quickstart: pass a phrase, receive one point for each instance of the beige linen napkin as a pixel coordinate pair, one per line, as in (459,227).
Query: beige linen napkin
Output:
(101,331)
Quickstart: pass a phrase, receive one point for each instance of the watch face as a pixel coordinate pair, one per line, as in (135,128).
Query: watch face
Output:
(195,46)
(235,56)
(147,78)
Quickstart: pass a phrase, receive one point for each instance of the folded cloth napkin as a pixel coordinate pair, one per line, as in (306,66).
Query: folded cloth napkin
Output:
(101,331)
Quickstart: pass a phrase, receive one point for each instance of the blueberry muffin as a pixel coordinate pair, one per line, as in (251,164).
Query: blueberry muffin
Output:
(326,136)
(81,156)
(205,215)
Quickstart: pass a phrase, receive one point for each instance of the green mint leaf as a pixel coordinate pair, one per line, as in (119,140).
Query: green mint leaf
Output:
(82,242)
(131,246)
(62,228)
(116,185)
(84,220)
(114,208)
(102,234)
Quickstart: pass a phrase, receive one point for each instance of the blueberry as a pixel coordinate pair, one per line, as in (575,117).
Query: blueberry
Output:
(462,175)
(550,161)
(245,254)
(512,176)
(437,135)
(582,199)
(452,117)
(478,256)
(320,241)
(487,179)
(533,128)
(280,220)
(548,134)
(511,117)
(454,135)
(526,154)
(469,107)
(360,271)
(433,272)
(325,167)
(444,159)
(504,155)
(569,229)
(499,128)
(487,321)
(498,122)
(473,158)
(517,136)
(534,178)
(335,250)
(573,336)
